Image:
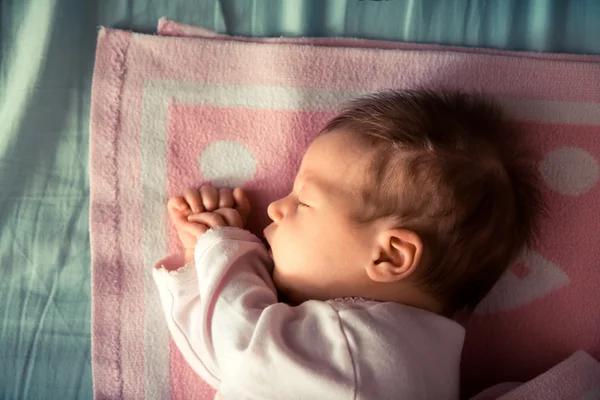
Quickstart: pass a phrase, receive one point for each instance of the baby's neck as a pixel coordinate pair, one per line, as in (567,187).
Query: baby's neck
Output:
(407,294)
(417,300)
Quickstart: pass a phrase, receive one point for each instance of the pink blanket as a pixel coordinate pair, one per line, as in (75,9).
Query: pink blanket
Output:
(168,112)
(576,378)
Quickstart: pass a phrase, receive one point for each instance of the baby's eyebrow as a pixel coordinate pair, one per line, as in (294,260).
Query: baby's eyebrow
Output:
(328,189)
(303,181)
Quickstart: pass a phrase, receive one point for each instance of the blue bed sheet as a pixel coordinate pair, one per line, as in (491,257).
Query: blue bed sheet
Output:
(46,59)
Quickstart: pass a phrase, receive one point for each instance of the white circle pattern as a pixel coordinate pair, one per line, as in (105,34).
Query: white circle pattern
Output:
(570,170)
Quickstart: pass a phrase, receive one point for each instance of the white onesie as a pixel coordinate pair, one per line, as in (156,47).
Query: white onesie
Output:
(223,314)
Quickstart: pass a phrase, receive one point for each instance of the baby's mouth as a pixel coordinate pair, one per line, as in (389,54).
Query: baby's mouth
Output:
(268,245)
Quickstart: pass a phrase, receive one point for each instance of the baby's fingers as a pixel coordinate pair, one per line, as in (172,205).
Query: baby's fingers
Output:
(242,204)
(210,219)
(194,229)
(193,199)
(232,217)
(210,197)
(226,198)
(178,207)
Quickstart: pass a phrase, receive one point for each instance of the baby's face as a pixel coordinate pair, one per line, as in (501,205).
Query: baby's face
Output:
(318,251)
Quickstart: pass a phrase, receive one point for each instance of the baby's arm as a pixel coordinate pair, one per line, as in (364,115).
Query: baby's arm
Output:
(225,318)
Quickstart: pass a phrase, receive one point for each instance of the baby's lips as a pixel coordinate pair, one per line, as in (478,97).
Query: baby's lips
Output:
(267,232)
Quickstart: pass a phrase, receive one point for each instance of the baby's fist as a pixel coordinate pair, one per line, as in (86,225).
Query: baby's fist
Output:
(233,209)
(201,209)
(188,232)
(208,198)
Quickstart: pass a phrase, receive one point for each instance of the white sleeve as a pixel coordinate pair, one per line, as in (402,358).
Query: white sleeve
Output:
(232,328)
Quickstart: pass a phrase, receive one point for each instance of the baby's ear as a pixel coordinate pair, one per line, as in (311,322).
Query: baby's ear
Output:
(396,257)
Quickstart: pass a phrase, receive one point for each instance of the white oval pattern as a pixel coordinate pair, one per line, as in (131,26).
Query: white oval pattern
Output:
(570,170)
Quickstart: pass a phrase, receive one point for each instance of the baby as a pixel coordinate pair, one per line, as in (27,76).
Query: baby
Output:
(406,208)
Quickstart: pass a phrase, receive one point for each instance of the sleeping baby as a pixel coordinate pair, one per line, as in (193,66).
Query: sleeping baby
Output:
(407,208)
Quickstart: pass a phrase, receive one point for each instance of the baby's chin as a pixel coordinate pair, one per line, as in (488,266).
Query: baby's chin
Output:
(277,281)
(284,294)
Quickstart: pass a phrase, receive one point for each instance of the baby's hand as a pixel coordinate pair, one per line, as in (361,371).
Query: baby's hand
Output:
(199,210)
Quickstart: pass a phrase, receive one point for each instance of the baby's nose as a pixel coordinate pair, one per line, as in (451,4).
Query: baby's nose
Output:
(274,211)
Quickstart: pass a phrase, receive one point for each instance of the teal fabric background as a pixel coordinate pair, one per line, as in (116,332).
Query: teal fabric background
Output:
(46,60)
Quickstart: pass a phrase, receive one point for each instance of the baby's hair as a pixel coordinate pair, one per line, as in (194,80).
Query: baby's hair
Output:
(450,167)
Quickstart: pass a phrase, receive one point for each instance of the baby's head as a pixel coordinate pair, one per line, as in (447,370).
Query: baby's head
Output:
(416,197)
